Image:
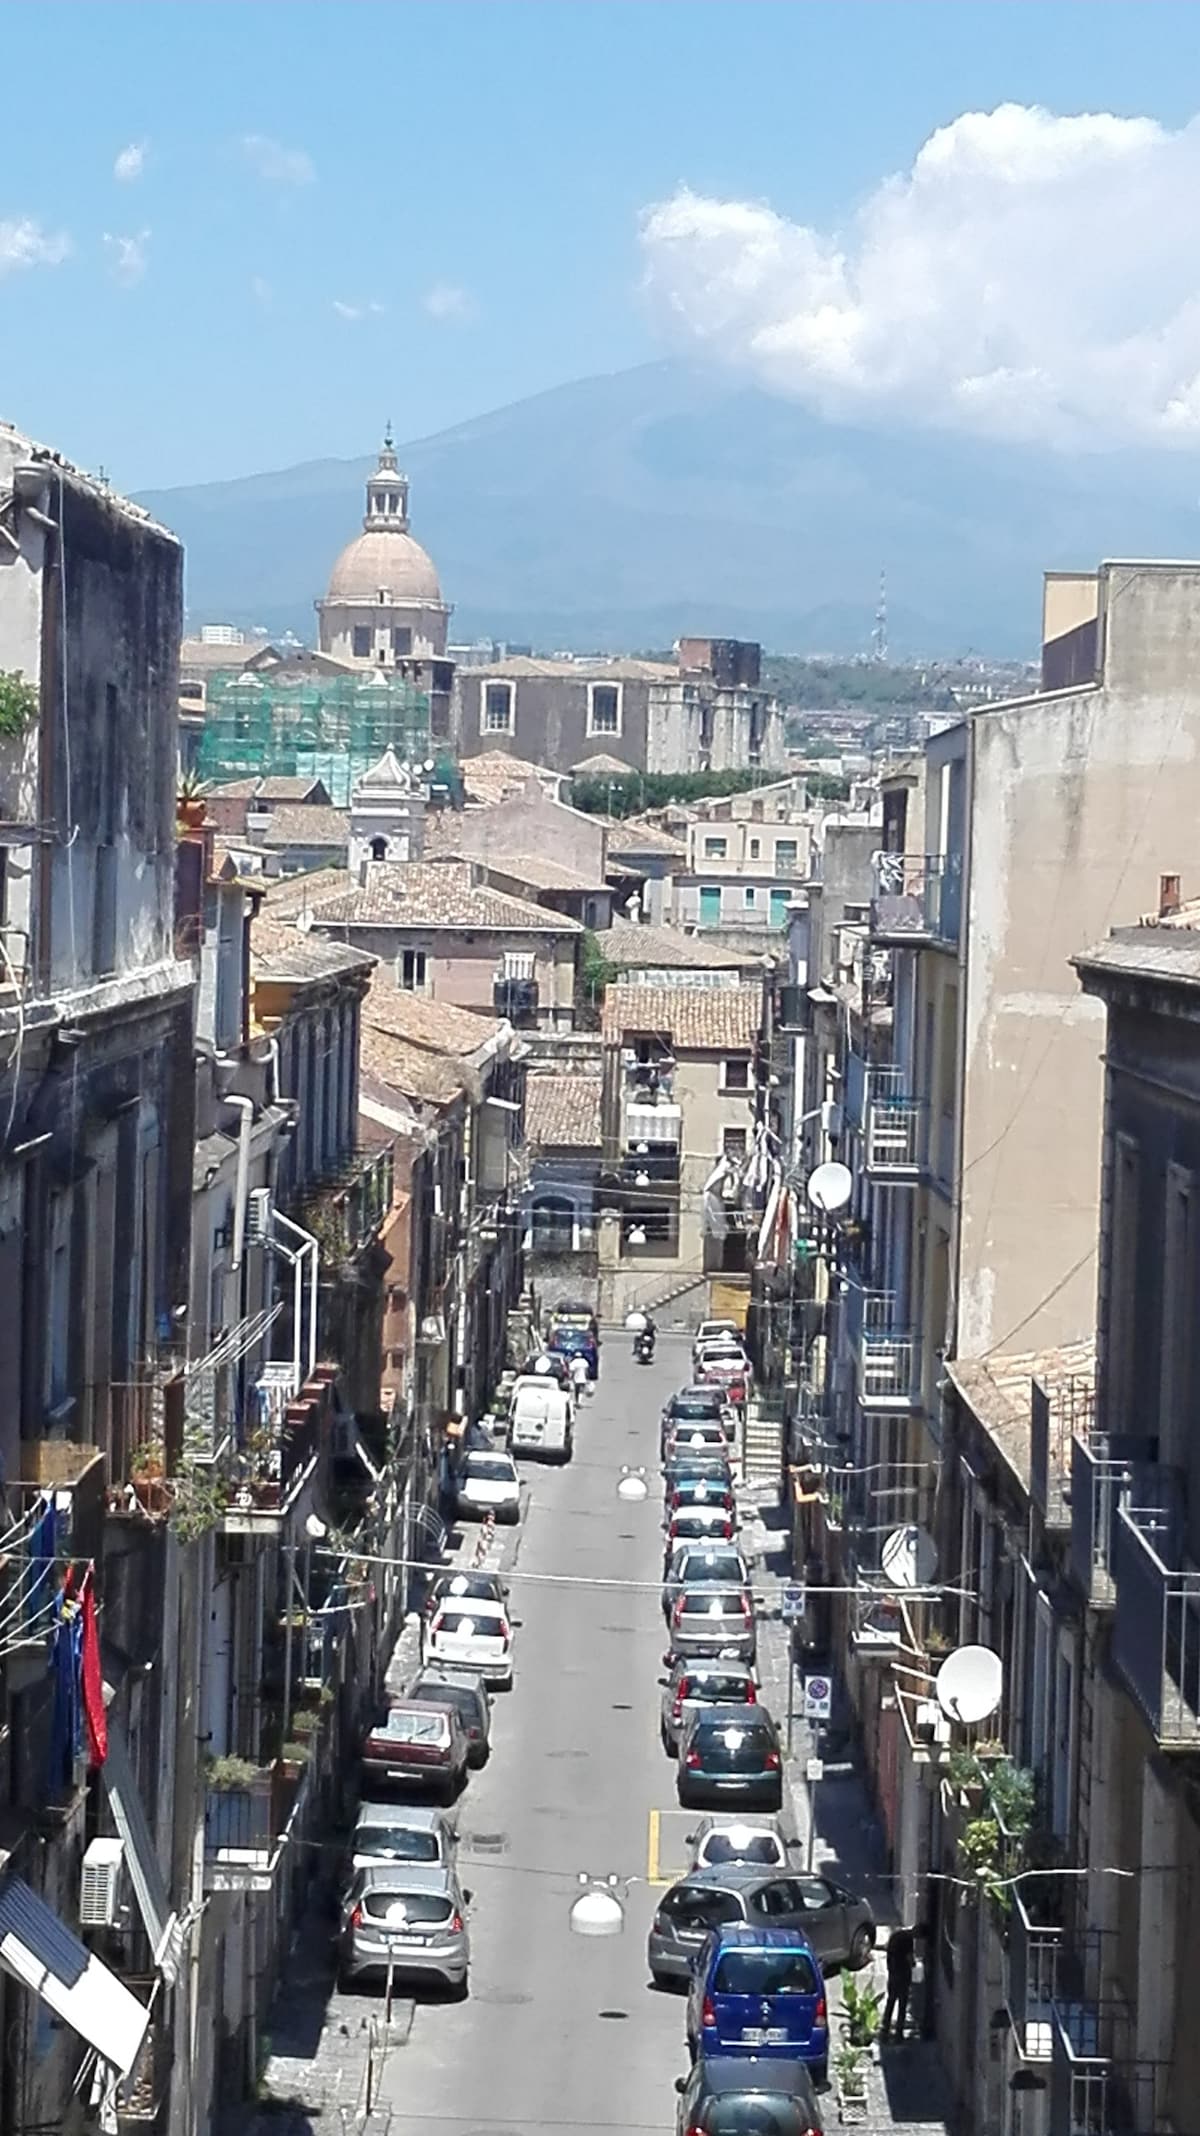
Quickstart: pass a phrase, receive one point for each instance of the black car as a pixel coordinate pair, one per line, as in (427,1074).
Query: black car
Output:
(839,1928)
(467,1693)
(745,2095)
(730,1754)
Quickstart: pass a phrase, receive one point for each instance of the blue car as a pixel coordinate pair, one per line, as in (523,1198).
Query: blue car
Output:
(577,1342)
(759,1991)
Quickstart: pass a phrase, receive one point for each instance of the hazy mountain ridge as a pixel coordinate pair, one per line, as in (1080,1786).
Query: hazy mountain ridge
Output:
(622,510)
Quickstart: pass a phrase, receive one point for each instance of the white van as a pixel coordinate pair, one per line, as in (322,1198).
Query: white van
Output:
(540,1418)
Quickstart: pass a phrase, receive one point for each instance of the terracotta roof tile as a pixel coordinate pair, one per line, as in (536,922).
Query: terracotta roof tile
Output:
(562,1111)
(708,1019)
(307,824)
(281,951)
(414,1071)
(442,1026)
(632,946)
(997,1390)
(431,894)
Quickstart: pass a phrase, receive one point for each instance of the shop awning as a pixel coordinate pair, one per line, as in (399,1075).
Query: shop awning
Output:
(652,1123)
(40,1951)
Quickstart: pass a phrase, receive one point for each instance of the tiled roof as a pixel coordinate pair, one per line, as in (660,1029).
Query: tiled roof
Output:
(289,894)
(598,670)
(634,836)
(539,871)
(283,789)
(414,1071)
(307,824)
(716,1019)
(440,1025)
(632,947)
(602,767)
(562,1111)
(280,951)
(494,775)
(429,894)
(1163,953)
(997,1390)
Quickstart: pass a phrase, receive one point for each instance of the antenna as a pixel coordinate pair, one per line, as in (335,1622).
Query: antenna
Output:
(969,1683)
(879,631)
(830,1188)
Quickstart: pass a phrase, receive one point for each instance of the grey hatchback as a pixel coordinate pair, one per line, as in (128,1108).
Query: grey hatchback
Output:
(466,1691)
(839,1927)
(409,1920)
(747,2095)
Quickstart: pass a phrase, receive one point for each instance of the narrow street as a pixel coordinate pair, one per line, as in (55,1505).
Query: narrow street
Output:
(560,2032)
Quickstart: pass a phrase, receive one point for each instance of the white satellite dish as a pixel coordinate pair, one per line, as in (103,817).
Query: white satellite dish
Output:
(830,1187)
(909,1558)
(969,1683)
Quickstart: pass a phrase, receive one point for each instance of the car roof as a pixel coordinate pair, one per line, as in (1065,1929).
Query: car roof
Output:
(700,1664)
(419,1817)
(415,1876)
(439,1680)
(473,1605)
(743,1717)
(740,1934)
(489,1453)
(452,1574)
(729,1821)
(404,1704)
(724,2073)
(729,1876)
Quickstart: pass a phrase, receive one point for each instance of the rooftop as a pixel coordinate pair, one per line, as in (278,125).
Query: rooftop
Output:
(289,895)
(256,789)
(562,1111)
(997,1390)
(539,871)
(493,775)
(307,824)
(279,951)
(633,947)
(518,665)
(439,1026)
(634,835)
(391,1064)
(1163,951)
(709,1019)
(435,894)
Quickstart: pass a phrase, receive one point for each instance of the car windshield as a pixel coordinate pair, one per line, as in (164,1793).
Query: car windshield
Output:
(699,1521)
(754,2116)
(767,1972)
(424,1909)
(697,1602)
(459,1696)
(479,1586)
(724,1847)
(717,1691)
(409,1727)
(396,1843)
(696,1405)
(710,1565)
(489,1468)
(461,1625)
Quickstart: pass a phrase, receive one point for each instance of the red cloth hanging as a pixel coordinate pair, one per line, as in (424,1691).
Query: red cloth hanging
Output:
(93,1685)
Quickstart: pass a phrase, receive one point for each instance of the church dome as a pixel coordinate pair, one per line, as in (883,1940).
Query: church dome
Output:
(378,560)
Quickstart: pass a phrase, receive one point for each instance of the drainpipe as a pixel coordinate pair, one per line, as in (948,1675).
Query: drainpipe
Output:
(244,1106)
(273,1071)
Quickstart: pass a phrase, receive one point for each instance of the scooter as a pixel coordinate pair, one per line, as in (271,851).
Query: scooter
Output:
(643,1347)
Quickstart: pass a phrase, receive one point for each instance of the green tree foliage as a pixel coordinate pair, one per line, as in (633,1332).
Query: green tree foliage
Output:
(654,789)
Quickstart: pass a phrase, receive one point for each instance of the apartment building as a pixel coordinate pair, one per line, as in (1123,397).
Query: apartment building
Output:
(742,873)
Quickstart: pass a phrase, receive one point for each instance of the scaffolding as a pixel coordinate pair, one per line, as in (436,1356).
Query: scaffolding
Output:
(332,728)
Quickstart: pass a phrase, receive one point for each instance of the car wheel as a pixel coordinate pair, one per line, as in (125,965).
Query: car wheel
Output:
(667,1744)
(862,1943)
(459,1989)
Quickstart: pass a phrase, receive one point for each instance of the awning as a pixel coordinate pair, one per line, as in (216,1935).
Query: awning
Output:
(653,1123)
(149,1885)
(40,1951)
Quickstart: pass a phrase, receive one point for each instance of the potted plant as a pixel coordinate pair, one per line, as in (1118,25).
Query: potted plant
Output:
(860,2002)
(850,2079)
(148,1475)
(230,1772)
(293,1758)
(965,1778)
(237,1805)
(189,803)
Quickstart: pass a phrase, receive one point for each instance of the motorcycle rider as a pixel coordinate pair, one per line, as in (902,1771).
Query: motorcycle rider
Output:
(643,1341)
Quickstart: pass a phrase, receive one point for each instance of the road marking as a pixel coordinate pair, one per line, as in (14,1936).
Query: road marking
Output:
(653,1852)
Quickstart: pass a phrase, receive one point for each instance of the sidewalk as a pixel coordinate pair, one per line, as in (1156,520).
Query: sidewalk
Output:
(906,2088)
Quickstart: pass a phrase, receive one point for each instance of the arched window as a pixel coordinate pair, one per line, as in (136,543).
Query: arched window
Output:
(379,848)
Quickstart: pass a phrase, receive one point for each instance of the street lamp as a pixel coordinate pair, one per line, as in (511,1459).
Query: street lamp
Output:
(632,1486)
(597,1911)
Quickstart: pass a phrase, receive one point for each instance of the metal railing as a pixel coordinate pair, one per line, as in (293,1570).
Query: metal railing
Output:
(889,1351)
(1034,1950)
(1098,2087)
(345,1212)
(916,897)
(894,1127)
(1156,1630)
(1099,1482)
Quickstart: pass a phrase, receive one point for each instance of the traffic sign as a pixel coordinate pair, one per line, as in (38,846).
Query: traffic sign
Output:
(814,1770)
(795,1601)
(818,1698)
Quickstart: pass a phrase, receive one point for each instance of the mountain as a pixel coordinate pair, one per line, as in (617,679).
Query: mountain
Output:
(622,511)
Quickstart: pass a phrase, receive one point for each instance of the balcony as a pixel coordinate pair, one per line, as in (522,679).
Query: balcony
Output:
(278,1455)
(57,1512)
(888,1352)
(1156,1630)
(516,999)
(344,1213)
(1100,1481)
(1097,2087)
(652,1081)
(894,1127)
(1034,1953)
(247,1827)
(916,897)
(651,1164)
(143,2095)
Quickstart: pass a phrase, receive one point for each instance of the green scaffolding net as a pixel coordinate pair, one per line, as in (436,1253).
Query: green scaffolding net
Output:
(329,728)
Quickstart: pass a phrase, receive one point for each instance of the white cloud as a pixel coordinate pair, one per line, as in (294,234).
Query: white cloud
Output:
(277,164)
(447,301)
(131,162)
(128,255)
(26,244)
(1031,277)
(354,312)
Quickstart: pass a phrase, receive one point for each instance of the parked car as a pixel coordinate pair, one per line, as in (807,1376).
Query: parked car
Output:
(696,1405)
(384,1832)
(728,1369)
(699,1524)
(473,1635)
(715,1331)
(413,1920)
(739,2095)
(713,1620)
(575,1313)
(489,1483)
(466,1691)
(692,1467)
(700,1491)
(694,1435)
(720,1842)
(576,1342)
(416,1745)
(839,1928)
(549,1364)
(730,1753)
(702,1683)
(702,1565)
(464,1587)
(759,1991)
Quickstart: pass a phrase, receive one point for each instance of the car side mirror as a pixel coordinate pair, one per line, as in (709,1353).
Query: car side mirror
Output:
(689,1839)
(666,1661)
(664,1683)
(681,2084)
(469,1896)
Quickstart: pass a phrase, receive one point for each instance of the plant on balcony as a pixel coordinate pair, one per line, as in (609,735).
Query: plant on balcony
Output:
(980,1856)
(964,1776)
(148,1475)
(225,1775)
(306,1723)
(293,1757)
(861,2006)
(199,1501)
(18,704)
(1011,1792)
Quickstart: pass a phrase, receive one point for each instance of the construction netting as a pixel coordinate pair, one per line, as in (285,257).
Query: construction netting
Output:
(331,728)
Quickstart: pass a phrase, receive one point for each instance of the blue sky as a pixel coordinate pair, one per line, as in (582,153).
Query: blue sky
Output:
(332,213)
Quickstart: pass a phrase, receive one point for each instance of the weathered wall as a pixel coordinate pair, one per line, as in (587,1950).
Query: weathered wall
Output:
(551,719)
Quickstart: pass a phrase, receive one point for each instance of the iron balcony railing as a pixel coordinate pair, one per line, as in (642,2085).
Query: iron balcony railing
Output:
(1100,1480)
(516,999)
(894,1126)
(1098,2087)
(916,897)
(1034,1951)
(888,1351)
(1156,1630)
(1057,1414)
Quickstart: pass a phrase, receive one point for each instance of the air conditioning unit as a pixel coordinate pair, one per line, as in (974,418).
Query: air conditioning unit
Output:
(101,1889)
(258,1215)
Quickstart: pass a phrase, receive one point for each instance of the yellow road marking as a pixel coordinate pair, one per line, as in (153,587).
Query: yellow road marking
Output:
(653,1851)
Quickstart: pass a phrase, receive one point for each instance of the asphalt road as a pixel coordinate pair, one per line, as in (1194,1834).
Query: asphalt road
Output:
(562,2033)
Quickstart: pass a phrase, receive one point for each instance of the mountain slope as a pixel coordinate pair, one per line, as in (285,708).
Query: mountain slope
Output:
(620,511)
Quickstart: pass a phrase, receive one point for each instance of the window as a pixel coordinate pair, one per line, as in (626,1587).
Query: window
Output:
(499,708)
(749,894)
(735,1075)
(1179,1294)
(715,848)
(401,641)
(1124,1225)
(755,848)
(786,853)
(733,1143)
(410,970)
(604,708)
(379,848)
(362,641)
(518,964)
(780,900)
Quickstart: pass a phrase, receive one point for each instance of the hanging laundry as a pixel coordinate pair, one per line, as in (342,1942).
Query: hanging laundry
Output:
(66,1720)
(93,1686)
(42,1551)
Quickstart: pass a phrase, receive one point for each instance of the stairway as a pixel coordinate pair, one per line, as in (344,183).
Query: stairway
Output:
(762,1442)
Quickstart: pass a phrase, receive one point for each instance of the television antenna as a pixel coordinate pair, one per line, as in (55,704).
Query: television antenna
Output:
(969,1683)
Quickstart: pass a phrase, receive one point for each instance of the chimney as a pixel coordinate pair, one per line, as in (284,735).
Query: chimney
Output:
(1169,900)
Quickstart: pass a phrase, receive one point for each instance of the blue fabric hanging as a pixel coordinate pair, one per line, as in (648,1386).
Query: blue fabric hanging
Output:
(66,1728)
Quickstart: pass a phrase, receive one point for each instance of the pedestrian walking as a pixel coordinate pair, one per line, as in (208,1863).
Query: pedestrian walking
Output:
(579,1376)
(901,1961)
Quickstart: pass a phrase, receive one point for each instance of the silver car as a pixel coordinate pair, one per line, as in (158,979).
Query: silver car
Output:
(713,1620)
(409,1920)
(702,1683)
(387,1832)
(753,1842)
(713,1564)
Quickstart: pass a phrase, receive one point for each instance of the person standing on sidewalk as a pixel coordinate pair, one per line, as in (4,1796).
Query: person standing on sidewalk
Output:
(901,1962)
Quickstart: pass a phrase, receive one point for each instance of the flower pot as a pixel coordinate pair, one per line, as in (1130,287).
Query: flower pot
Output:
(152,1493)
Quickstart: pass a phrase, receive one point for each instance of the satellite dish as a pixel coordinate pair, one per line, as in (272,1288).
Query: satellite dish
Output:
(969,1683)
(830,1188)
(909,1558)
